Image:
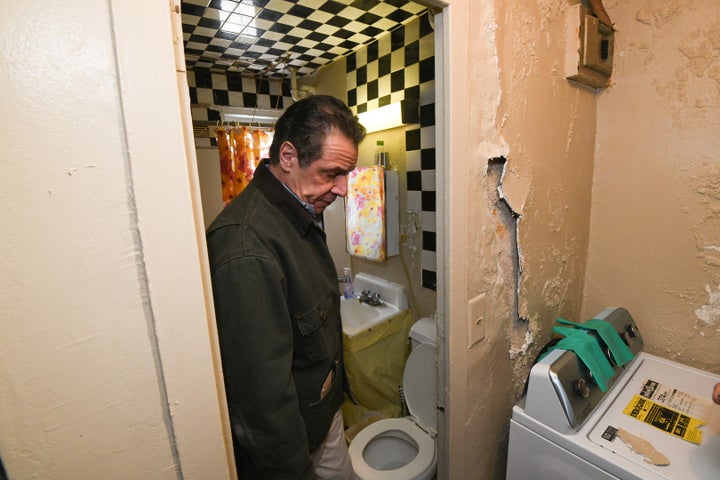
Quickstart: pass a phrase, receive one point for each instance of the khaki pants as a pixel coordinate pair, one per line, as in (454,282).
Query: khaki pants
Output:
(331,460)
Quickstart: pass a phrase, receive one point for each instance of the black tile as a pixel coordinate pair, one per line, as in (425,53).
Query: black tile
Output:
(191,9)
(412,93)
(262,86)
(352,97)
(384,100)
(425,26)
(427,201)
(317,36)
(291,39)
(234,82)
(399,16)
(220,97)
(209,23)
(280,28)
(215,48)
(265,42)
(369,18)
(429,241)
(213,115)
(412,53)
(310,25)
(348,44)
(412,139)
(338,22)
(362,107)
(276,101)
(372,32)
(427,115)
(193,95)
(414,181)
(258,3)
(397,81)
(286,87)
(249,100)
(361,76)
(203,79)
(226,35)
(427,158)
(429,279)
(323,46)
(275,51)
(300,11)
(372,90)
(332,7)
(397,38)
(270,15)
(427,70)
(187,28)
(372,51)
(384,65)
(299,49)
(365,4)
(199,39)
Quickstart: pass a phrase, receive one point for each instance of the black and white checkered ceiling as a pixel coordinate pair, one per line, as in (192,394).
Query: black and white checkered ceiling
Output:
(268,38)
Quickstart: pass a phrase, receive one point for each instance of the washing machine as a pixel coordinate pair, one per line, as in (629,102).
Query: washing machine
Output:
(649,418)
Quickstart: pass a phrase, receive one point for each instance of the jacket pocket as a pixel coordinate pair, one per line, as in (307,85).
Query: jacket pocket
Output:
(319,337)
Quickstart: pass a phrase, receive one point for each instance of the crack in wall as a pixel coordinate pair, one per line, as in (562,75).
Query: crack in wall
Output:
(508,220)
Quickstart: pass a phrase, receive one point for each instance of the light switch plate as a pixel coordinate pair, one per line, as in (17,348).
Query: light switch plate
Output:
(477,307)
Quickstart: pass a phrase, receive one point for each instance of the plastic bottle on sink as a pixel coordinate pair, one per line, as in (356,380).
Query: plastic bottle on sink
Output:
(348,288)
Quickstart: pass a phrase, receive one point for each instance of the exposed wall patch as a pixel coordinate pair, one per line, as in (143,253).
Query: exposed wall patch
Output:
(520,334)
(710,313)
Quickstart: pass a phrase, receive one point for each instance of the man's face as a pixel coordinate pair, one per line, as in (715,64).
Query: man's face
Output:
(325,179)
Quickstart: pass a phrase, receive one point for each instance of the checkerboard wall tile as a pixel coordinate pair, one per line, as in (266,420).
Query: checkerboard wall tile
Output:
(399,66)
(209,89)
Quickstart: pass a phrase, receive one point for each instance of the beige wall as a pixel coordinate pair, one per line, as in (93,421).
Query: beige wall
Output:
(655,234)
(105,365)
(509,97)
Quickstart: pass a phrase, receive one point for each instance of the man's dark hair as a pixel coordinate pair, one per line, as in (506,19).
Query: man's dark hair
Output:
(307,122)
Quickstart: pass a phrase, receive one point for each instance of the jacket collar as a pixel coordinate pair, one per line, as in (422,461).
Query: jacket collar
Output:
(282,198)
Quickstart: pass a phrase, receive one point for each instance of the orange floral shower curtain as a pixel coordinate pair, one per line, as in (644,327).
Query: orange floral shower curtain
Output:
(241,149)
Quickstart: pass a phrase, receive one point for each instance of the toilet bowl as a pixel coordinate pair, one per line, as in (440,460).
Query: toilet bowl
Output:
(404,448)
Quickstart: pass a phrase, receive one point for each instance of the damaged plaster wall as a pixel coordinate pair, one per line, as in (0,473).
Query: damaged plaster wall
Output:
(655,226)
(527,226)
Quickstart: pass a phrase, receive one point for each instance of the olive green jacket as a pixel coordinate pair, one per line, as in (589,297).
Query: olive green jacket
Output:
(277,307)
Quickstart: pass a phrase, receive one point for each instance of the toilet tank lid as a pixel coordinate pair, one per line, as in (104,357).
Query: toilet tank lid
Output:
(424,331)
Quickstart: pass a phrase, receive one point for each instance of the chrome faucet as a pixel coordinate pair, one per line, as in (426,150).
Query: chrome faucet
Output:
(371,298)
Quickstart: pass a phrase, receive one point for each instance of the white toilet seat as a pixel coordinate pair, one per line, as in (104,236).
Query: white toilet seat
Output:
(416,468)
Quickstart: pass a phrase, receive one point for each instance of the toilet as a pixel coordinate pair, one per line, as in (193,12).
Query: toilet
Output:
(404,448)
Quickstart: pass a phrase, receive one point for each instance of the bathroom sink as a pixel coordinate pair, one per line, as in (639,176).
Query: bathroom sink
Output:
(359,316)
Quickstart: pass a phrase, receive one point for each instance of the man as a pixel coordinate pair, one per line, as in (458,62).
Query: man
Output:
(277,301)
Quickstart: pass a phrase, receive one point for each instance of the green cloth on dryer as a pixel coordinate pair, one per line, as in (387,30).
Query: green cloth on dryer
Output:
(620,352)
(588,349)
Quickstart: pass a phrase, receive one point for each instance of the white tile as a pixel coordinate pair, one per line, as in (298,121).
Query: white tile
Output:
(412,159)
(429,221)
(427,137)
(427,178)
(219,81)
(414,202)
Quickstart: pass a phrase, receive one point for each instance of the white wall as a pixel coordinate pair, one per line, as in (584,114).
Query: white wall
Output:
(106,360)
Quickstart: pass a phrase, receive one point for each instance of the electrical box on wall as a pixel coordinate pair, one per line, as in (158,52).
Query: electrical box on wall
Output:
(590,46)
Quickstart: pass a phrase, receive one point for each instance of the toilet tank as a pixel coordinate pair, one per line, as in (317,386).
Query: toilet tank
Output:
(423,331)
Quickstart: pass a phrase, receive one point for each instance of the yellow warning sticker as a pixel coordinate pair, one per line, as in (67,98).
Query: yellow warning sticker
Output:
(666,419)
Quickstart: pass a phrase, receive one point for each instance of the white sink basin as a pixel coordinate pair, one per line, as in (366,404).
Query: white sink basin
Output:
(358,317)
